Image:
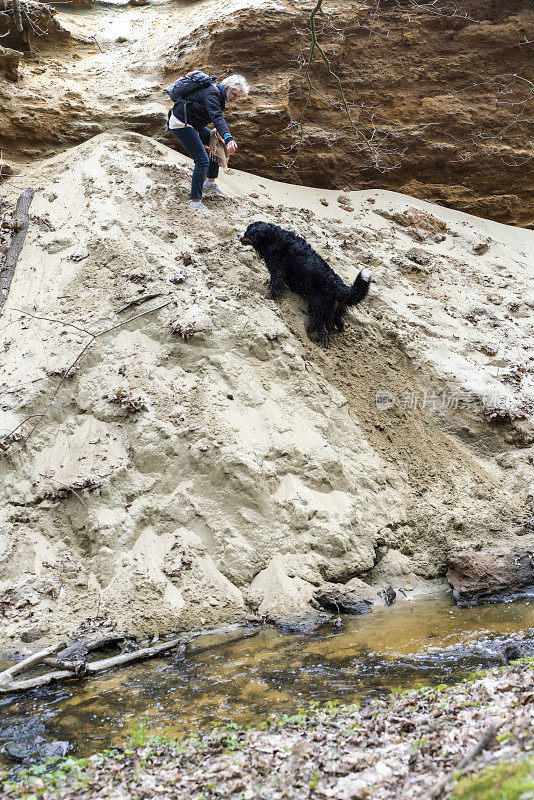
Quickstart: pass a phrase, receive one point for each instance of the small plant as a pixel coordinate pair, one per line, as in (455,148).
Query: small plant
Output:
(331,706)
(315,780)
(292,719)
(231,742)
(420,743)
(138,734)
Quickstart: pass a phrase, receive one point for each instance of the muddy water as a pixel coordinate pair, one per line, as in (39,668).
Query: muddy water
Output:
(407,645)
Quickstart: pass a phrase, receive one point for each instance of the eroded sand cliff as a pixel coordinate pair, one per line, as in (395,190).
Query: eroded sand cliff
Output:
(444,99)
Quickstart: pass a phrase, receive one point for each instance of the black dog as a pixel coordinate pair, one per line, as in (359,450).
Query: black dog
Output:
(292,262)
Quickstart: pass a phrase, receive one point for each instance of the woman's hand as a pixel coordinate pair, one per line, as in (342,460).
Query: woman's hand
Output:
(231,147)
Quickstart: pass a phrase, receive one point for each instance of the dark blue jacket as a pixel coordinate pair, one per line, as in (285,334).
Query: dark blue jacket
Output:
(202,107)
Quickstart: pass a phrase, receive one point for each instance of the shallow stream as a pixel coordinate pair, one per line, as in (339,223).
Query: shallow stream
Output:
(274,673)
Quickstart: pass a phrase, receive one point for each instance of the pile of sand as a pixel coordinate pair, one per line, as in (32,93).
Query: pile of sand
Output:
(207,460)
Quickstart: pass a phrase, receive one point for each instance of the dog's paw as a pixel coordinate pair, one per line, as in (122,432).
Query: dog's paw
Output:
(366,274)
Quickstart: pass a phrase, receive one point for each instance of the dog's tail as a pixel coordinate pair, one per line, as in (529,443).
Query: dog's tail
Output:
(358,291)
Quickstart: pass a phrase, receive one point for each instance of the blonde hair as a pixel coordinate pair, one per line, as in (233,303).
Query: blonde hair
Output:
(236,82)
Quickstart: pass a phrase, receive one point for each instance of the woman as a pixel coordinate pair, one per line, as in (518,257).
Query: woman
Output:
(188,122)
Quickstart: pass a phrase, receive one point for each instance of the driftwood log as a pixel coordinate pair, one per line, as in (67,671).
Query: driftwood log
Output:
(19,228)
(74,669)
(97,640)
(34,683)
(64,668)
(27,663)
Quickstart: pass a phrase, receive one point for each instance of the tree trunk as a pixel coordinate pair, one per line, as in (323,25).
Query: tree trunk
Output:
(17,16)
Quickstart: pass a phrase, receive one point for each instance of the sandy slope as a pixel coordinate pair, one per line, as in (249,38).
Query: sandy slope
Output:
(259,464)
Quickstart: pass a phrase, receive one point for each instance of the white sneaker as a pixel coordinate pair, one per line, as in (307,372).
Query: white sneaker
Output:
(214,188)
(198,205)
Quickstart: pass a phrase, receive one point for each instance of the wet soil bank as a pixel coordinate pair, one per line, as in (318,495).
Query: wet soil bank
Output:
(393,747)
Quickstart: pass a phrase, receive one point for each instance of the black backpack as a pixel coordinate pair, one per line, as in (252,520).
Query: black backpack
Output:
(188,84)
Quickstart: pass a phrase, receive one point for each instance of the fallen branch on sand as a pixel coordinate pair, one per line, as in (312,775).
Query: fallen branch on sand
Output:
(70,368)
(138,300)
(80,668)
(19,228)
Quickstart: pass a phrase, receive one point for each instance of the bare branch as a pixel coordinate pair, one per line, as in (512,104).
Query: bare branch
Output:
(93,338)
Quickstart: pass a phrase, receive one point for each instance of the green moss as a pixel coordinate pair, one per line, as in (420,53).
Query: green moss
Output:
(503,782)
(315,780)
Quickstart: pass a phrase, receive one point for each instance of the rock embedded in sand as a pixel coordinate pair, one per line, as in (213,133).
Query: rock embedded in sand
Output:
(9,66)
(32,634)
(341,600)
(490,576)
